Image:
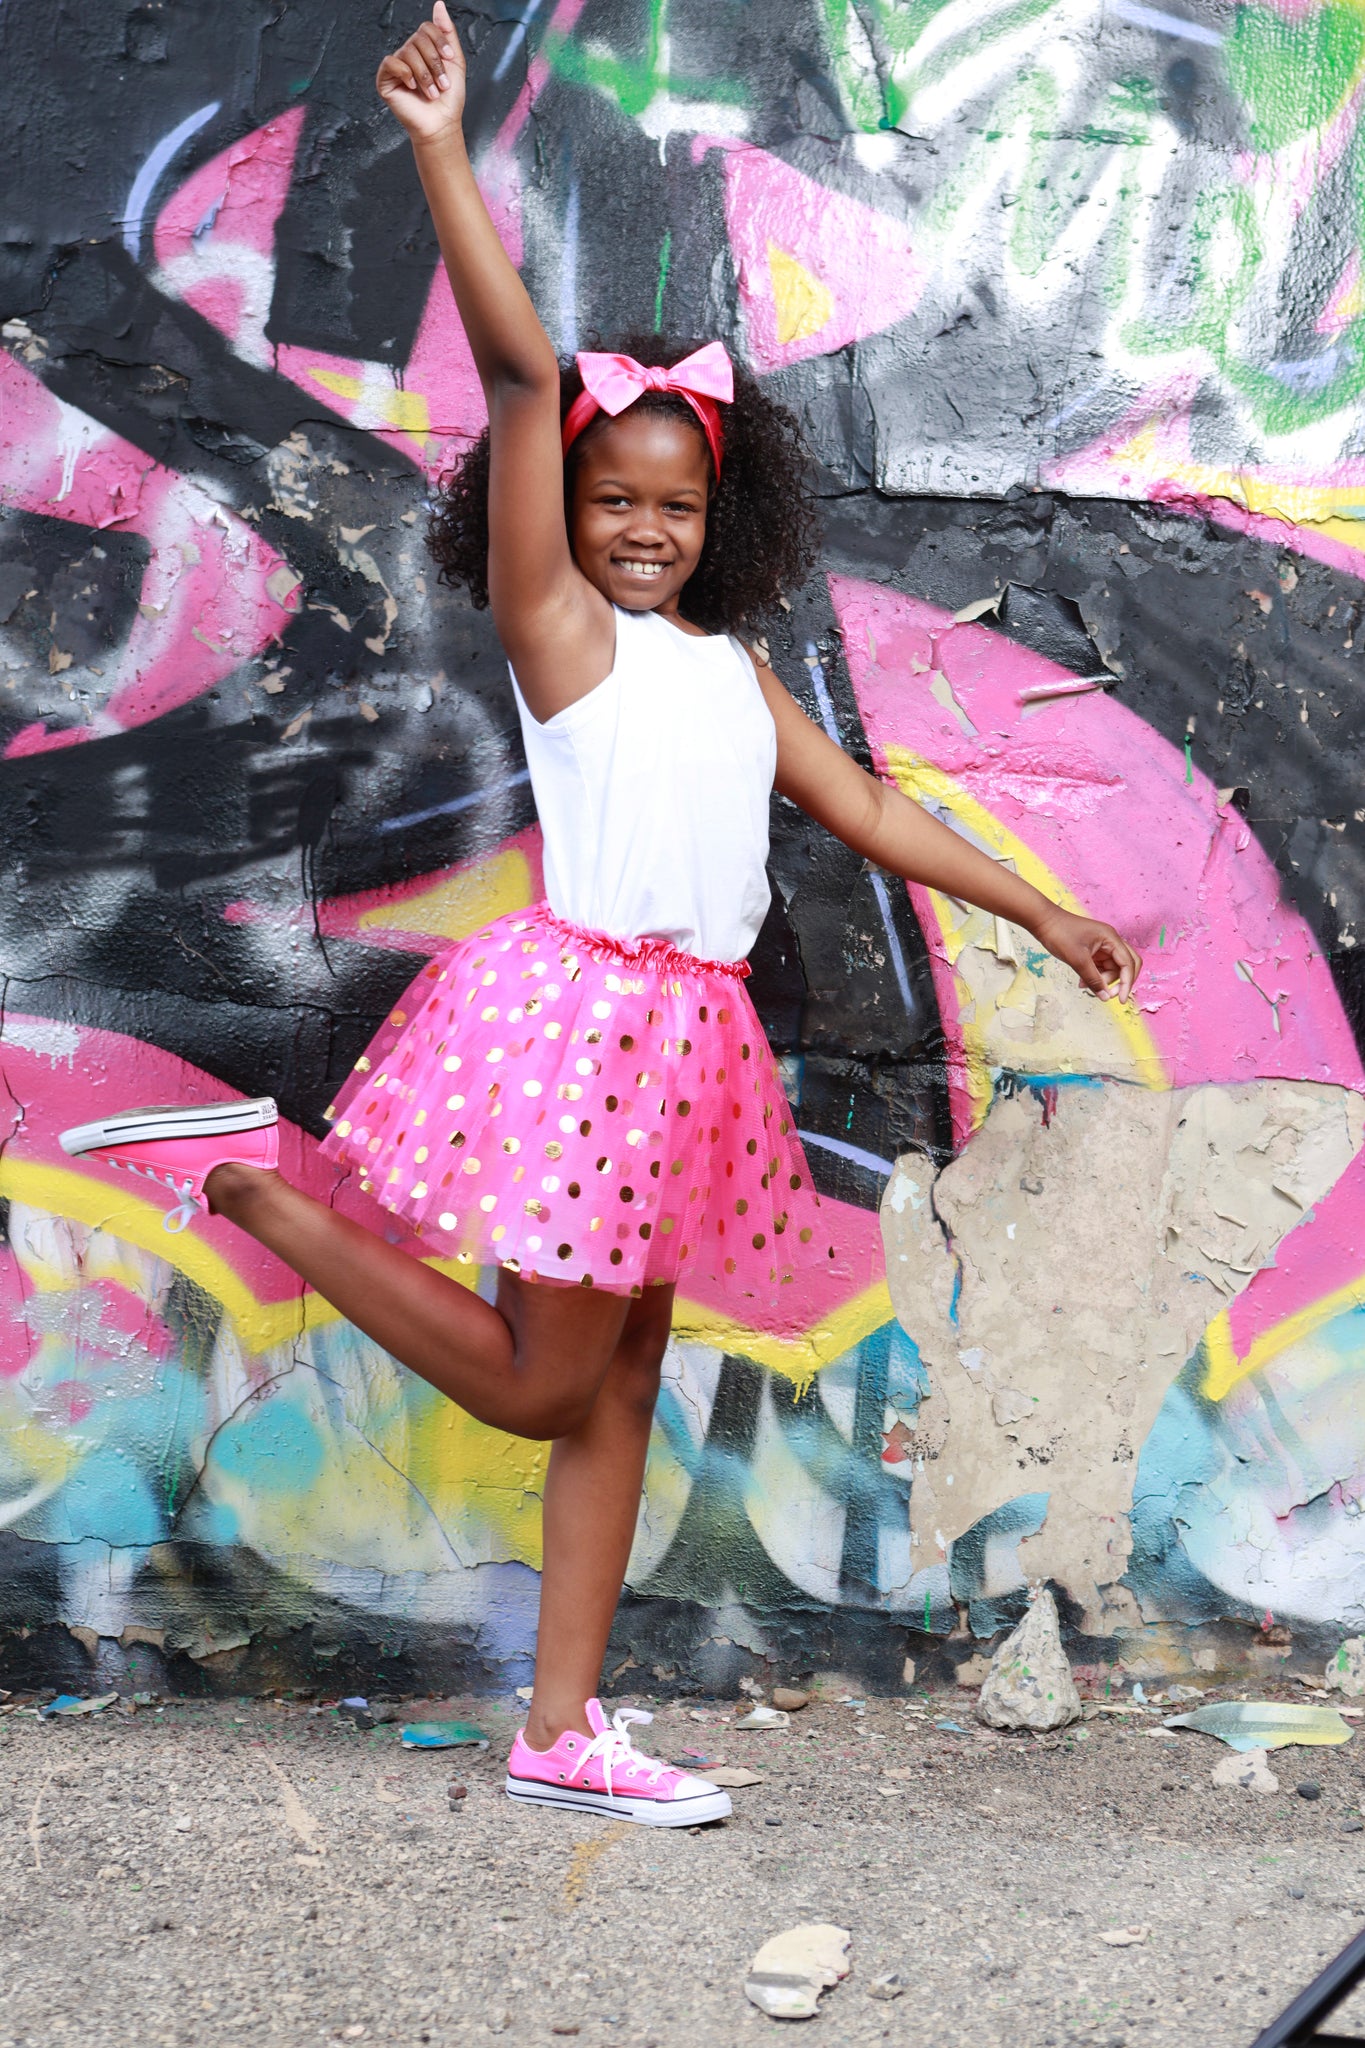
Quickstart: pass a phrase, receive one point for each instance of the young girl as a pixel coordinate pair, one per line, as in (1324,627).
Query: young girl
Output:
(581,1094)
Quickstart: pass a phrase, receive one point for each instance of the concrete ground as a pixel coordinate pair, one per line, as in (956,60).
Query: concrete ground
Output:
(233,1873)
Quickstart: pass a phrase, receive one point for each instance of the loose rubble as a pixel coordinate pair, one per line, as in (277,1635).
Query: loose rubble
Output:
(1029,1684)
(1249,1769)
(1346,1671)
(791,1970)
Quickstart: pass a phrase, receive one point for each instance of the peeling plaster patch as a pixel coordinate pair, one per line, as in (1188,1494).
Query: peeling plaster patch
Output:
(730,1623)
(1051,1347)
(51,1040)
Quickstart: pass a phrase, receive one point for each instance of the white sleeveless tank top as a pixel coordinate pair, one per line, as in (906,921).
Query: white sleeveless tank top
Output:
(653,793)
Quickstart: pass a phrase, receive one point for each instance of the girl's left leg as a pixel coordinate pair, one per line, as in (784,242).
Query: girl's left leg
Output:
(592,1503)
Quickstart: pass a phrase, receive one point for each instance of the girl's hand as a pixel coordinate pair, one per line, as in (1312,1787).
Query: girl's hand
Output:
(1107,964)
(424,82)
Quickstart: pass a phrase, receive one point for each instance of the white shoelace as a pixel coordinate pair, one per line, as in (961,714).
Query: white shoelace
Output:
(186,1209)
(178,1219)
(618,1753)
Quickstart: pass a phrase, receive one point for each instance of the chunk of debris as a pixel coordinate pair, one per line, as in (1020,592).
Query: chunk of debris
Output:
(68,1705)
(789,1699)
(1246,1768)
(890,1984)
(726,1774)
(1126,1937)
(442,1735)
(789,1972)
(1029,1684)
(763,1717)
(1346,1671)
(1266,1724)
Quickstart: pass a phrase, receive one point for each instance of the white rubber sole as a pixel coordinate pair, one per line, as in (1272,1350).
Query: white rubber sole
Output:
(145,1126)
(649,1813)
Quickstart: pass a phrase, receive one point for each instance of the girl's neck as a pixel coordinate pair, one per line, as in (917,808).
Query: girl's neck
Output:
(671,616)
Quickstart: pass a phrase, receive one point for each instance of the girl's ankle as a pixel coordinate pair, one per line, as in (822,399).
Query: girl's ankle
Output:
(233,1182)
(543,1729)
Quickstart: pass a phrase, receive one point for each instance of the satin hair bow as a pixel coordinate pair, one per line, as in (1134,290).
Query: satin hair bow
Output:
(611,383)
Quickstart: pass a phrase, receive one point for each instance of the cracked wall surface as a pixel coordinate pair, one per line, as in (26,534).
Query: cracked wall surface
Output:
(1060,1273)
(1070,308)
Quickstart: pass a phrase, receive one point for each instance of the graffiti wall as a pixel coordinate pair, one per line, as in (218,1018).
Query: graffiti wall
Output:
(1069,296)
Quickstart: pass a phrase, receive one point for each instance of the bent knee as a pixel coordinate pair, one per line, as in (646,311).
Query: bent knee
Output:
(636,1371)
(555,1415)
(566,1418)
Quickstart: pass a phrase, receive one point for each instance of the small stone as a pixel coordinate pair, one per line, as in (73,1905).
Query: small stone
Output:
(1309,1789)
(1030,1684)
(1352,1827)
(789,1699)
(1295,1893)
(455,1792)
(789,1972)
(499,2020)
(908,1671)
(1346,1671)
(1247,1769)
(889,1985)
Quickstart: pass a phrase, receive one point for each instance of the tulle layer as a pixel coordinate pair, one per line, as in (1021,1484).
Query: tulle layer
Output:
(547,1099)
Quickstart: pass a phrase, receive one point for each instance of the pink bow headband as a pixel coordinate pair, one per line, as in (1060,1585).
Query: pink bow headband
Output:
(611,383)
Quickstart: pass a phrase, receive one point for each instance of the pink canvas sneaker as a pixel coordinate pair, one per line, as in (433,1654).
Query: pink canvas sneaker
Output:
(180,1147)
(608,1774)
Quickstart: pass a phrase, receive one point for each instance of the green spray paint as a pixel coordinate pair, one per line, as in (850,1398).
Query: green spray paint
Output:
(665,258)
(1294,80)
(1292,76)
(634,83)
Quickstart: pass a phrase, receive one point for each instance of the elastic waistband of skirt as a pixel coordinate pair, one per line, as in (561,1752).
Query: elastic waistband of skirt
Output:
(650,955)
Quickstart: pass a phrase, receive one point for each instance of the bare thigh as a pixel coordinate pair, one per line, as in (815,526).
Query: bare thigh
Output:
(564,1340)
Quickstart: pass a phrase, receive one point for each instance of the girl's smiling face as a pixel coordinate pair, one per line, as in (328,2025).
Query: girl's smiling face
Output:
(638,509)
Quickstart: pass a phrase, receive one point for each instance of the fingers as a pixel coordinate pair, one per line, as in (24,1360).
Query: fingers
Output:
(421,64)
(1116,965)
(1092,974)
(1106,964)
(426,67)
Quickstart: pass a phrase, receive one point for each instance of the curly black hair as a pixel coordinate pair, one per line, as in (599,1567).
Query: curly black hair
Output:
(761,530)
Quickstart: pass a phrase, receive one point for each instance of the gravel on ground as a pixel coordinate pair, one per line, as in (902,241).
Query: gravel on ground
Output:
(234,1872)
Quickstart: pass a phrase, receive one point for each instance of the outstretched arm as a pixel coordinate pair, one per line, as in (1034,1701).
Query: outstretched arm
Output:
(895,833)
(543,608)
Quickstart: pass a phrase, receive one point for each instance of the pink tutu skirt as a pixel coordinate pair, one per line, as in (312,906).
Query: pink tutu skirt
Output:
(553,1101)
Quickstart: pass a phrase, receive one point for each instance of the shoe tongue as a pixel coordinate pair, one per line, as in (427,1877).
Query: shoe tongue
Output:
(597,1720)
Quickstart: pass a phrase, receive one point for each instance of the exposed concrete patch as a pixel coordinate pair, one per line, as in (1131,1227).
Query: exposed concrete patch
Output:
(1057,1276)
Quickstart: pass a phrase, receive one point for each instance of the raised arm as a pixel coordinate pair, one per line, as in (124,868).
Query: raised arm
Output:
(549,618)
(895,833)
